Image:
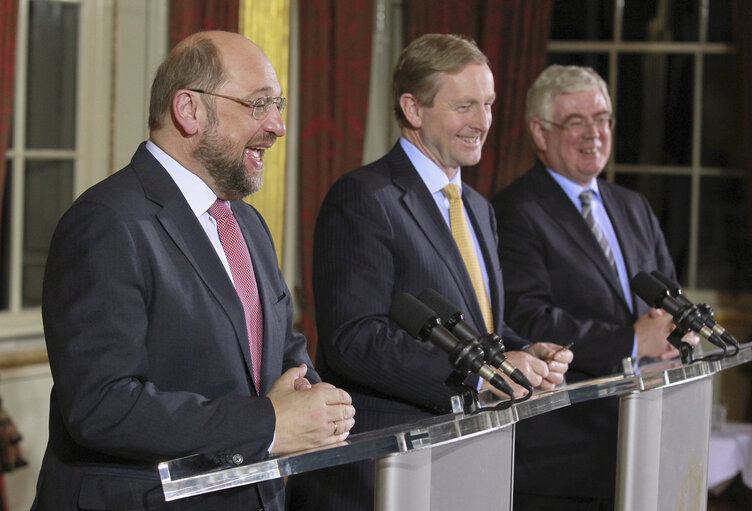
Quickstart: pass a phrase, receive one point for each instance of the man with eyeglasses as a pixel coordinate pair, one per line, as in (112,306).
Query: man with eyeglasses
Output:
(168,323)
(569,244)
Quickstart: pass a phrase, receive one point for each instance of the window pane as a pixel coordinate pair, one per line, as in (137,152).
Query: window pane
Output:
(724,250)
(51,88)
(668,20)
(721,113)
(668,196)
(719,21)
(48,193)
(5,239)
(582,20)
(598,61)
(654,112)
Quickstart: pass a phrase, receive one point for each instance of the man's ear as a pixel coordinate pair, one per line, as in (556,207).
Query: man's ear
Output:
(538,134)
(411,109)
(186,111)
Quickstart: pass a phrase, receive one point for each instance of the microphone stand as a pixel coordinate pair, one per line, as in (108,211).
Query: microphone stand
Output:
(685,350)
(461,359)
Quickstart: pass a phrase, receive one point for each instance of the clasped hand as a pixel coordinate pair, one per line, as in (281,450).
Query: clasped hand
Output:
(308,416)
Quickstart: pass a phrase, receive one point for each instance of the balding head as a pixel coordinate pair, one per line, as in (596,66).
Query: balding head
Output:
(199,61)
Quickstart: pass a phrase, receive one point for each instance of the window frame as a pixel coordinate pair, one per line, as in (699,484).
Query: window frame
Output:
(111,112)
(696,171)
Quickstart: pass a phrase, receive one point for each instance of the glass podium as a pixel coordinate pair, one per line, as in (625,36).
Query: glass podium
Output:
(467,459)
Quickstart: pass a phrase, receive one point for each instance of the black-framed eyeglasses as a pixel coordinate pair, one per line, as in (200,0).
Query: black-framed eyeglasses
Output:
(259,107)
(578,125)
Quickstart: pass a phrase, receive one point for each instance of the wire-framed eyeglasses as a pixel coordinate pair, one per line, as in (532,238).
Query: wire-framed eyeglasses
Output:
(578,125)
(259,107)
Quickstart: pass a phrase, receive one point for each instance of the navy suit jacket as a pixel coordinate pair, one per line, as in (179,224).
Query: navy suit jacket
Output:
(560,288)
(148,348)
(378,234)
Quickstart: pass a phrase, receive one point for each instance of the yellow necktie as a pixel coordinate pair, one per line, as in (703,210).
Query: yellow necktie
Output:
(461,234)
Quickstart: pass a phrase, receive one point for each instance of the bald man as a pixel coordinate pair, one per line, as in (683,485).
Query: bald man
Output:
(168,322)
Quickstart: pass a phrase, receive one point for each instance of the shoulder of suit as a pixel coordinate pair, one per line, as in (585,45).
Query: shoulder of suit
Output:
(521,189)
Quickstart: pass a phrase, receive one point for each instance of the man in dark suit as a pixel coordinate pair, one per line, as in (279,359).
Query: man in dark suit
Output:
(169,331)
(562,284)
(385,229)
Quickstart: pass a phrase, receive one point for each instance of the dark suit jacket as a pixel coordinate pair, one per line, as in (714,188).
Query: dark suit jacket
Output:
(378,234)
(559,287)
(149,351)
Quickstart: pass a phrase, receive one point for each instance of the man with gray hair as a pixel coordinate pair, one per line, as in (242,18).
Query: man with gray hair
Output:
(569,245)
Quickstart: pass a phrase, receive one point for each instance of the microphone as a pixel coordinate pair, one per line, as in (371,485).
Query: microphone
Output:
(422,323)
(493,346)
(706,312)
(686,315)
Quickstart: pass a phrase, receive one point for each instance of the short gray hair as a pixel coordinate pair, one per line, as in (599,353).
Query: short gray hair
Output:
(556,80)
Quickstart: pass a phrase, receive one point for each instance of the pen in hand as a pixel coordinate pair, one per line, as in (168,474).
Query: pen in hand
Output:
(563,348)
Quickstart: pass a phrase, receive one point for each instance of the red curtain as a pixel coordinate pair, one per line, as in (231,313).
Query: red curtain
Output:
(514,35)
(8,21)
(335,60)
(189,16)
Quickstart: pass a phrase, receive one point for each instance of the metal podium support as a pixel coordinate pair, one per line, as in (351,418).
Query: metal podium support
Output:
(663,447)
(441,479)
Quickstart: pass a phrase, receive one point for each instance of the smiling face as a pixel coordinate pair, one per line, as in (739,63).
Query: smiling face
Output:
(579,157)
(232,147)
(452,131)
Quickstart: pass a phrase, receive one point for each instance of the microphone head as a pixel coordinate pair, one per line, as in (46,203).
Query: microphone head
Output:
(441,305)
(412,315)
(670,284)
(674,288)
(649,289)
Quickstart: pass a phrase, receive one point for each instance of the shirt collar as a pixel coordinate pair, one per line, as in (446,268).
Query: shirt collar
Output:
(198,194)
(572,189)
(434,178)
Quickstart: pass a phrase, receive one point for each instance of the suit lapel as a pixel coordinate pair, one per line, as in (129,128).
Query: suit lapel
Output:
(189,237)
(565,214)
(422,207)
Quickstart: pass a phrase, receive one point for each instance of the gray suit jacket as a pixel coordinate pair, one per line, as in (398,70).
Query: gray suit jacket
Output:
(148,347)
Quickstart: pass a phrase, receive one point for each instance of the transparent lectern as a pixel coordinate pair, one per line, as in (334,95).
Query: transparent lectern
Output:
(466,460)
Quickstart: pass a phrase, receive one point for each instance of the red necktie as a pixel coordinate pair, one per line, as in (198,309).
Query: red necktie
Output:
(241,268)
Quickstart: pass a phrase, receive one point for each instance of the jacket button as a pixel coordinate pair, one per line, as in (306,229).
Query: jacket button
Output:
(237,459)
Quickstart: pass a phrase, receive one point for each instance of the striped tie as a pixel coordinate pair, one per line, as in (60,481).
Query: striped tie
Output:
(244,279)
(586,198)
(461,234)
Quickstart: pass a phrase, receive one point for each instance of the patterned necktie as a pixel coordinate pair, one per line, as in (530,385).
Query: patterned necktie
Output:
(586,198)
(461,234)
(241,268)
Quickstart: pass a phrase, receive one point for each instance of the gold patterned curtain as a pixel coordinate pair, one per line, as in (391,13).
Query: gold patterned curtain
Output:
(267,23)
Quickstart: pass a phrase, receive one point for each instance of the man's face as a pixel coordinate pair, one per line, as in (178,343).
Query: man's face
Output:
(232,147)
(453,130)
(579,156)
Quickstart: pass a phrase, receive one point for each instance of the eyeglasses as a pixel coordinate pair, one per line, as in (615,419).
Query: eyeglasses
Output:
(259,107)
(578,126)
